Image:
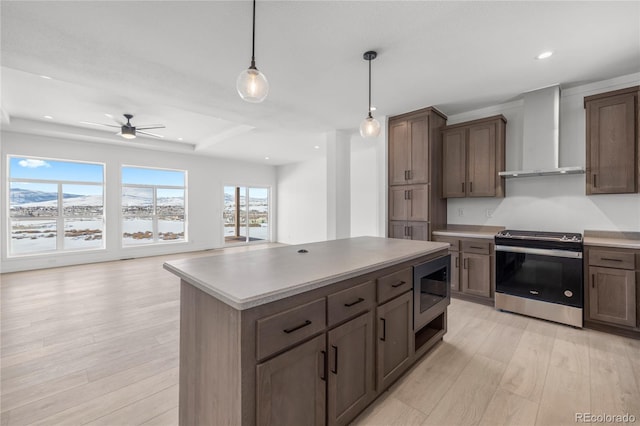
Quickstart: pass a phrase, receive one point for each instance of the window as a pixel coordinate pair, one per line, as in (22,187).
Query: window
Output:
(153,206)
(246,214)
(55,205)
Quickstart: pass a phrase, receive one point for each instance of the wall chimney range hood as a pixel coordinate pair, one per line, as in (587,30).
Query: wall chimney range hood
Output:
(541,134)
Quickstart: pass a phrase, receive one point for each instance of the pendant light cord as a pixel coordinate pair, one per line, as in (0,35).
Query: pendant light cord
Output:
(253,40)
(370,88)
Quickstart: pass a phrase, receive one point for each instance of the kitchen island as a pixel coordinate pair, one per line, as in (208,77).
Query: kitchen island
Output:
(305,334)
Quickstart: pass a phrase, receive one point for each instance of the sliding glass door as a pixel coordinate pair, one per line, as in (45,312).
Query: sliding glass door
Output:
(246,214)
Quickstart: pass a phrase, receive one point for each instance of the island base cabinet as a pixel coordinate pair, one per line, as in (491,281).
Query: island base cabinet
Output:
(291,387)
(612,296)
(351,369)
(395,339)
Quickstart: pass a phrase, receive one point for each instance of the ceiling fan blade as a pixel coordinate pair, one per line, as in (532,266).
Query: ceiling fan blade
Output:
(120,122)
(149,134)
(150,126)
(99,124)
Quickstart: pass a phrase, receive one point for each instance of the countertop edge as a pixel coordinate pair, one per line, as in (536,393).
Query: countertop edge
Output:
(265,298)
(463,234)
(613,243)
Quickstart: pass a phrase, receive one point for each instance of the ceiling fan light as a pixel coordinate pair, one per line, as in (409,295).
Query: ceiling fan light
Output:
(370,127)
(252,85)
(128,132)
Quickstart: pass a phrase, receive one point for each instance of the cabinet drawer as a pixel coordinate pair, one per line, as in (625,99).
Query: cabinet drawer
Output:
(480,247)
(289,327)
(612,259)
(455,243)
(395,284)
(350,302)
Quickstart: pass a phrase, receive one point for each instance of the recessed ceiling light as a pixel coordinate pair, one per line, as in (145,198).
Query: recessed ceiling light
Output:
(180,139)
(266,158)
(46,77)
(48,117)
(317,147)
(544,55)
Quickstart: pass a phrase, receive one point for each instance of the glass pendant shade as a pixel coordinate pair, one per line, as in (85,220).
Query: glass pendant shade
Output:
(370,127)
(252,85)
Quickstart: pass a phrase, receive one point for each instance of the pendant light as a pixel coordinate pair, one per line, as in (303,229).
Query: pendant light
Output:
(252,85)
(370,127)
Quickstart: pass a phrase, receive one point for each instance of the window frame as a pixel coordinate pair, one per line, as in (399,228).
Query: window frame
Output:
(60,216)
(156,241)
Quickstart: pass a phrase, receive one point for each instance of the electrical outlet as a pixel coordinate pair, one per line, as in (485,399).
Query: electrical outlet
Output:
(489,212)
(460,212)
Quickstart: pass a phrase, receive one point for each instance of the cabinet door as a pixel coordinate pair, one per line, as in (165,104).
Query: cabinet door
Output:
(418,202)
(481,160)
(419,137)
(399,229)
(291,387)
(612,295)
(453,163)
(611,145)
(454,275)
(350,377)
(476,274)
(399,203)
(399,153)
(394,341)
(418,230)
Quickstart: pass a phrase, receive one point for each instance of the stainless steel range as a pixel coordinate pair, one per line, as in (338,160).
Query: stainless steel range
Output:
(540,274)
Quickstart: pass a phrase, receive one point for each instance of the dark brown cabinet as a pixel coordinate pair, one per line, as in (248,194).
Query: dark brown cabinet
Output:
(395,339)
(611,287)
(415,174)
(409,203)
(473,155)
(612,295)
(472,267)
(476,274)
(612,142)
(351,369)
(291,387)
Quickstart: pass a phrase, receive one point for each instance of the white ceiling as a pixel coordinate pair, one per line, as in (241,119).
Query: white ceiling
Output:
(176,62)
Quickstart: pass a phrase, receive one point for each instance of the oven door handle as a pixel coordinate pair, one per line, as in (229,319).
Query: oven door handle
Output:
(541,252)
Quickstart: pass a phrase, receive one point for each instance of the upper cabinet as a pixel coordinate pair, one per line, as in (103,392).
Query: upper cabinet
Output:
(409,146)
(612,142)
(415,174)
(472,157)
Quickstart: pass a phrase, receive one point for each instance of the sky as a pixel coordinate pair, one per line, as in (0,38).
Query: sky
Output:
(44,169)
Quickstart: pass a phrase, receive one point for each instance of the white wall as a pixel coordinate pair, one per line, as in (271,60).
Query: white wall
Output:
(302,201)
(366,190)
(550,203)
(205,179)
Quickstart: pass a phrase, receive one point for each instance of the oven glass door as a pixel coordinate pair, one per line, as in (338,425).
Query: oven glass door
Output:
(535,275)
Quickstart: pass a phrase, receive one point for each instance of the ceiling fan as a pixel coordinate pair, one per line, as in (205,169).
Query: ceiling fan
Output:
(129,131)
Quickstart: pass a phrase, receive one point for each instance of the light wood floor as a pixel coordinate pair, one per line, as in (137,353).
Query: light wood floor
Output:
(98,344)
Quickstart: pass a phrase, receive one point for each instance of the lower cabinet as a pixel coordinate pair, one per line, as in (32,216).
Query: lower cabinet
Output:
(612,295)
(476,274)
(612,289)
(291,387)
(351,369)
(454,274)
(395,338)
(472,267)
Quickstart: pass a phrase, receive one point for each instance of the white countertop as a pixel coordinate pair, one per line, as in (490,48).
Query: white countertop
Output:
(248,279)
(611,242)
